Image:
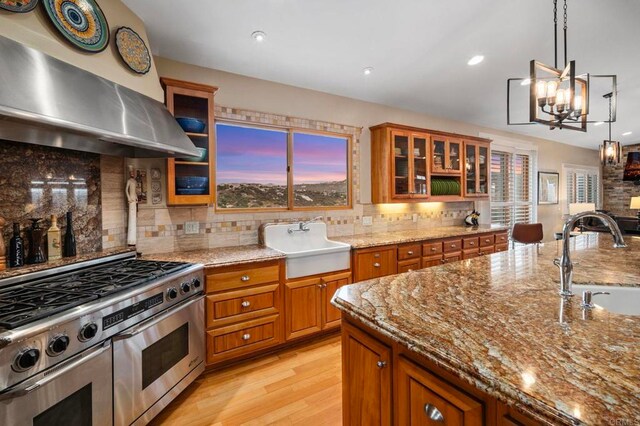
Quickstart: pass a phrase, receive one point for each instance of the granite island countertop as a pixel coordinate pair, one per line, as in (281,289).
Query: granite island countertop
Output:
(223,256)
(359,241)
(498,323)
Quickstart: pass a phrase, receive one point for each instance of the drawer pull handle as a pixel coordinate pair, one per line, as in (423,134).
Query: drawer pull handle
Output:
(381,364)
(245,304)
(410,252)
(246,336)
(245,278)
(376,265)
(433,413)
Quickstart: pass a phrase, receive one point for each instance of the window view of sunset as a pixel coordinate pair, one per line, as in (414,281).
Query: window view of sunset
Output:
(252,168)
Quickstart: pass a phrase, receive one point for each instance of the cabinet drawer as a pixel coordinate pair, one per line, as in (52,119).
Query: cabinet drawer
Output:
(242,278)
(423,397)
(374,264)
(487,250)
(450,246)
(224,308)
(452,257)
(242,338)
(502,247)
(428,262)
(429,249)
(408,265)
(502,238)
(470,243)
(486,240)
(470,254)
(409,252)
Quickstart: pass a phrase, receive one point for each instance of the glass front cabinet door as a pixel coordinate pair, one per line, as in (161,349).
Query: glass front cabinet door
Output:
(446,155)
(476,165)
(410,165)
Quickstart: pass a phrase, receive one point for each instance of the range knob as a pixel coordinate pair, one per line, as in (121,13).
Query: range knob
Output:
(185,288)
(172,293)
(25,360)
(195,283)
(57,345)
(88,332)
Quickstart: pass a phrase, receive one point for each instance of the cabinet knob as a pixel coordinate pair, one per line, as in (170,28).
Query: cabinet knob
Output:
(245,304)
(376,255)
(322,285)
(487,240)
(444,260)
(246,336)
(376,265)
(453,246)
(409,270)
(381,364)
(433,249)
(245,278)
(410,252)
(472,243)
(433,413)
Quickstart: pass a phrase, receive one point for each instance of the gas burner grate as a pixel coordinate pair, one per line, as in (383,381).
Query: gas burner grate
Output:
(32,301)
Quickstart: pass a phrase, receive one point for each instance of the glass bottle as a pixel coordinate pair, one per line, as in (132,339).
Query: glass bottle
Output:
(36,243)
(16,248)
(69,238)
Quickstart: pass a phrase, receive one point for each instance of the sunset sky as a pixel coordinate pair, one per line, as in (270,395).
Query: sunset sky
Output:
(249,155)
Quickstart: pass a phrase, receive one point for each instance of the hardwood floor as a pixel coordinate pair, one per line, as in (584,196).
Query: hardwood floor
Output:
(299,386)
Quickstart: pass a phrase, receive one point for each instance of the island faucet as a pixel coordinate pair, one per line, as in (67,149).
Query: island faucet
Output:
(304,226)
(564,262)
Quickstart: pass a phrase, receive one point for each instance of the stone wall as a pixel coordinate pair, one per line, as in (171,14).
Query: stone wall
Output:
(616,193)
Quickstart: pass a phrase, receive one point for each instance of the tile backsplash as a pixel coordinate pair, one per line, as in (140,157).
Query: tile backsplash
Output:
(161,228)
(38,181)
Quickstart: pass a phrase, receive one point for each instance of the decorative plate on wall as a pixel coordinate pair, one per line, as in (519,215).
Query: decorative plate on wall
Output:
(81,22)
(132,50)
(19,6)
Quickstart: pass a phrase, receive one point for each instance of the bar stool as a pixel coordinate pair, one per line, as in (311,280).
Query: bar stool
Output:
(527,233)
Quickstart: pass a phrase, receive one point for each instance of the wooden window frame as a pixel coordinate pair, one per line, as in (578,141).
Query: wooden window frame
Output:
(290,130)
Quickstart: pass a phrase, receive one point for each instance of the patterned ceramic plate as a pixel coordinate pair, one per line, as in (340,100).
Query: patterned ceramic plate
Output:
(19,6)
(81,22)
(132,50)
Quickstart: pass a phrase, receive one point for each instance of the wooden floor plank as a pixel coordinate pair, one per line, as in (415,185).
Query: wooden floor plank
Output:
(299,386)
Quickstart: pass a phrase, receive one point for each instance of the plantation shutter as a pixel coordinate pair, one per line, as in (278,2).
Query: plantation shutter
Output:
(511,188)
(583,186)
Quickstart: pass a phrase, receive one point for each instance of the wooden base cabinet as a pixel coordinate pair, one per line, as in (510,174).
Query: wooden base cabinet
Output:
(384,383)
(308,304)
(366,379)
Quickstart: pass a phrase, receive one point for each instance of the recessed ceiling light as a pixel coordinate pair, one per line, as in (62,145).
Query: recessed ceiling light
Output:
(525,82)
(258,36)
(475,60)
(626,133)
(599,123)
(367,70)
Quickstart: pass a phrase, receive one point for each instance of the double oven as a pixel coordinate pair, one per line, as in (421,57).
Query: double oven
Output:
(126,379)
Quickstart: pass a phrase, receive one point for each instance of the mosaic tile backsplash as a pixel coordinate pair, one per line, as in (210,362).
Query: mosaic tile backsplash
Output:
(38,181)
(161,228)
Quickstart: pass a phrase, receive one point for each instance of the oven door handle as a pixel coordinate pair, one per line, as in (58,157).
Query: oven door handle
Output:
(155,319)
(24,390)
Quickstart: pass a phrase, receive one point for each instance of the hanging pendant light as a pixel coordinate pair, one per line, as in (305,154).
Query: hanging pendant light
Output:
(610,151)
(559,98)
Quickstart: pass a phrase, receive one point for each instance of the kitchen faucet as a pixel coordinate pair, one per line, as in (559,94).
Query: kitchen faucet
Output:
(304,226)
(564,262)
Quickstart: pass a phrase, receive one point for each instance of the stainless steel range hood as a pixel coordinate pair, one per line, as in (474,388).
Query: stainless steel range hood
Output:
(48,102)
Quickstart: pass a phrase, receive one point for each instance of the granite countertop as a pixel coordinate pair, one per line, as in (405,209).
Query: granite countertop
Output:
(498,323)
(27,269)
(399,237)
(224,256)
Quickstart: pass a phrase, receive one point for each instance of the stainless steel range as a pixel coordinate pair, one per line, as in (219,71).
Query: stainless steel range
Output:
(109,341)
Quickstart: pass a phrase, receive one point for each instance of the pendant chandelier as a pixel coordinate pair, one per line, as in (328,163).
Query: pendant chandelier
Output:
(610,151)
(559,98)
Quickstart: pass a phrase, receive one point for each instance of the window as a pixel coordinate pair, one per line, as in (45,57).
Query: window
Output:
(512,187)
(582,185)
(272,168)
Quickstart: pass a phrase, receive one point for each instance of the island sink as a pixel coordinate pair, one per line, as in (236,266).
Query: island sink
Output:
(308,251)
(620,300)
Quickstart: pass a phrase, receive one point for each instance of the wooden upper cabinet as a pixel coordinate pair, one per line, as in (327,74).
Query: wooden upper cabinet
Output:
(446,155)
(404,159)
(477,160)
(191,181)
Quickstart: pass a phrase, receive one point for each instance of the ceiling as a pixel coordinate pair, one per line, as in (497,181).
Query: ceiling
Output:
(418,48)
